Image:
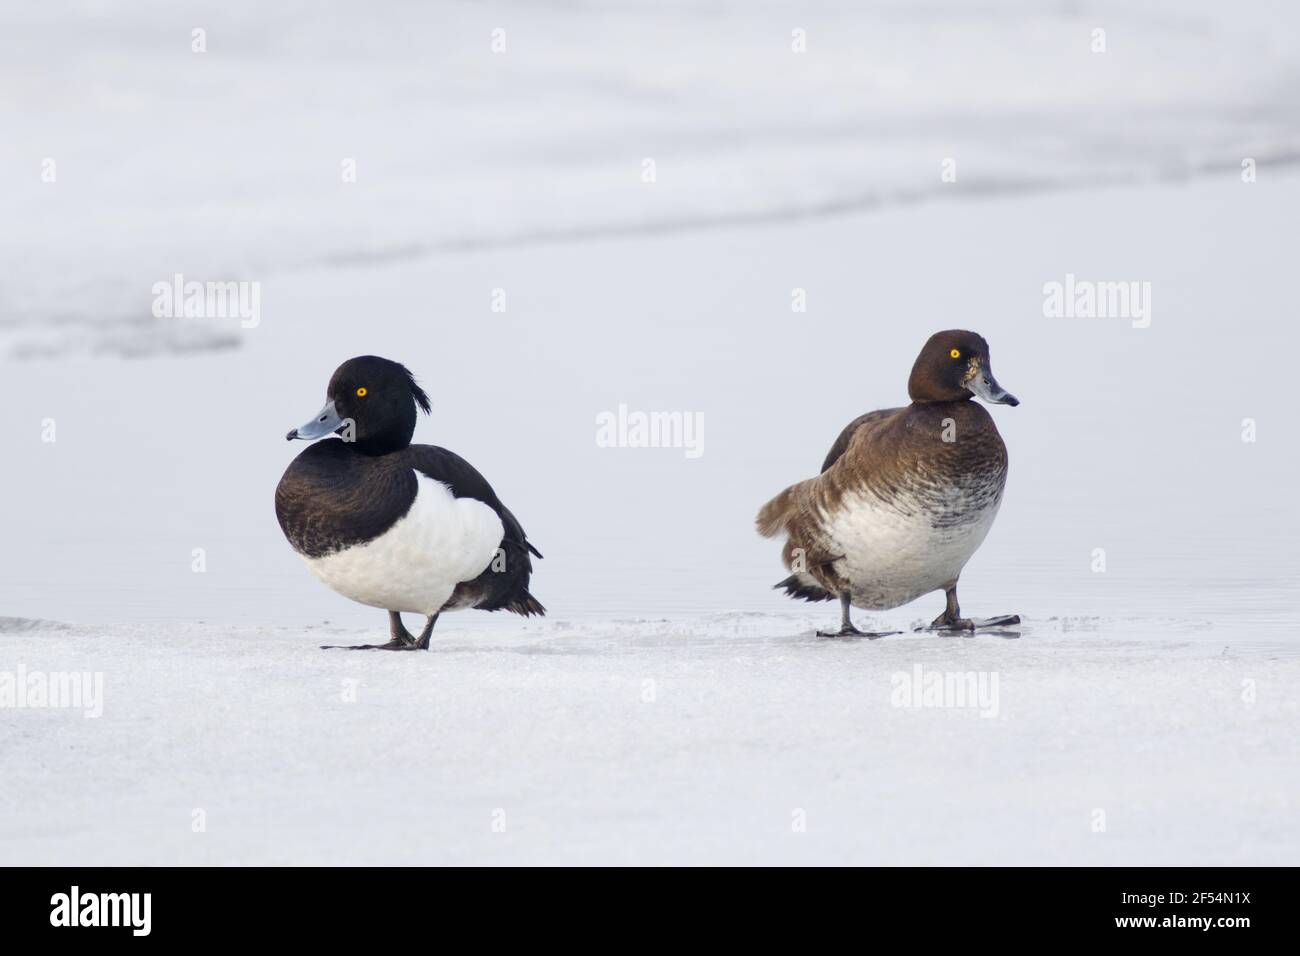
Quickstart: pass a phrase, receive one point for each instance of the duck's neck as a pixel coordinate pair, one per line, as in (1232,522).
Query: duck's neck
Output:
(376,446)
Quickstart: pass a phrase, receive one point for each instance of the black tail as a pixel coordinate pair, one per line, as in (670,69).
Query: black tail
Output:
(526,606)
(503,584)
(803,586)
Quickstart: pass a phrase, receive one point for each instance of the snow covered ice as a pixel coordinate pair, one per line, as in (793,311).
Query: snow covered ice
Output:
(728,737)
(672,708)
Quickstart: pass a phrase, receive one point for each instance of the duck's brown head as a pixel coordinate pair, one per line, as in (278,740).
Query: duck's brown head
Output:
(954,366)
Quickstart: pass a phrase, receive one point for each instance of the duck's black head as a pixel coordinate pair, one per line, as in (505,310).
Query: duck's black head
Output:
(954,366)
(371,402)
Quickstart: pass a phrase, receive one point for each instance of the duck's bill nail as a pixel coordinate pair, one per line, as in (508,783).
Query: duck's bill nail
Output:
(326,422)
(986,387)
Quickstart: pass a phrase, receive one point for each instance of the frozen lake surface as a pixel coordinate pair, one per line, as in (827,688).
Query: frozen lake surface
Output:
(728,738)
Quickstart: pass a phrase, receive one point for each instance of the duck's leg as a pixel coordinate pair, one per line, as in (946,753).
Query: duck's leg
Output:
(846,623)
(951,619)
(402,639)
(422,643)
(410,643)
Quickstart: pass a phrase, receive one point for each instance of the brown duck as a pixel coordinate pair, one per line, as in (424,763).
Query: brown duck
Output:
(905,496)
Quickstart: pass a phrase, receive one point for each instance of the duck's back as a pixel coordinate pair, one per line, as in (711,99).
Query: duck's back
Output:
(945,460)
(905,498)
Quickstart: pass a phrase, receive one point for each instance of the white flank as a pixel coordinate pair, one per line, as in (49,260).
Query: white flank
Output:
(891,558)
(416,564)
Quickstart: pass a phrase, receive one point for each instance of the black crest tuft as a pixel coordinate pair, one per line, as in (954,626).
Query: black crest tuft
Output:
(421,399)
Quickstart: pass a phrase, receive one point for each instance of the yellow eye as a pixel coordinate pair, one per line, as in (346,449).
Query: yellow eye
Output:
(361,392)
(955,353)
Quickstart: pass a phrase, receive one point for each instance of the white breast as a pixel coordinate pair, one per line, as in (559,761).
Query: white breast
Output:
(892,557)
(416,564)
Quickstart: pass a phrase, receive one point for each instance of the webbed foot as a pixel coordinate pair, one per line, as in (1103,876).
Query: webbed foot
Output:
(396,644)
(402,639)
(943,624)
(851,631)
(846,626)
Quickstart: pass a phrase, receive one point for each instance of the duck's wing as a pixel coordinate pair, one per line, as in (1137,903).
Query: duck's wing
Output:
(799,504)
(465,481)
(869,420)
